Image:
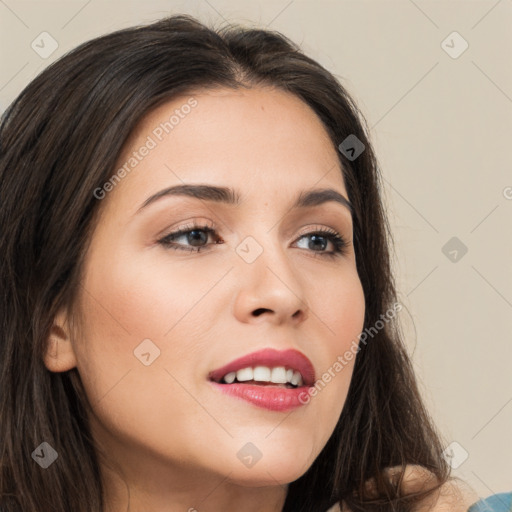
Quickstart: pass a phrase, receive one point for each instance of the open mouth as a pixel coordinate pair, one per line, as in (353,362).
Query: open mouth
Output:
(277,380)
(279,376)
(274,396)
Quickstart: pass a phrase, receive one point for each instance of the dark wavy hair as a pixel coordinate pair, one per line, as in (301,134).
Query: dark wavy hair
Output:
(59,141)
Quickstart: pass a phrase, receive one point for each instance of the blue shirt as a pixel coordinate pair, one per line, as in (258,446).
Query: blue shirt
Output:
(501,502)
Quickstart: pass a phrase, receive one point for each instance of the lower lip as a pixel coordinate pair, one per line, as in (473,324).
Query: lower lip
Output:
(268,397)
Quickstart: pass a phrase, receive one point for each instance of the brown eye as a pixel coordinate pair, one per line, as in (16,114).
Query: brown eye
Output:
(196,236)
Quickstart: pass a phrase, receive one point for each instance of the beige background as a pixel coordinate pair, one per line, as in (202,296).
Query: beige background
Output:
(442,128)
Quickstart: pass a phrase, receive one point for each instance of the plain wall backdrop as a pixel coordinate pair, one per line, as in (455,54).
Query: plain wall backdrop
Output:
(434,81)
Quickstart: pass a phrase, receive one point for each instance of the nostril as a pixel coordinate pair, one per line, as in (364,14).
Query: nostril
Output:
(257,312)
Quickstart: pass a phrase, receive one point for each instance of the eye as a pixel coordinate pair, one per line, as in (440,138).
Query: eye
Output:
(197,236)
(322,237)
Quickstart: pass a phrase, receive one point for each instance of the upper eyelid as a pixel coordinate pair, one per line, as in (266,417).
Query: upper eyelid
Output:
(324,210)
(201,225)
(219,225)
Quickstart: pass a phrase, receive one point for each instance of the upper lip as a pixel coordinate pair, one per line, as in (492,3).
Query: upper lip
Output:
(270,357)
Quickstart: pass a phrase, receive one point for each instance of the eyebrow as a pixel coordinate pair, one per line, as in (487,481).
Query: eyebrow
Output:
(229,196)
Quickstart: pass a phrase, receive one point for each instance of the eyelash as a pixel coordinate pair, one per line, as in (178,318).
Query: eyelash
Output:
(338,241)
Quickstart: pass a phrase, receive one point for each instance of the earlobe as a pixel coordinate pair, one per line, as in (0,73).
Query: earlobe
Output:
(59,354)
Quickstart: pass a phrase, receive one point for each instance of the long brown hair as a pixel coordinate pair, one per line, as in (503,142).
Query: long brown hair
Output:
(59,142)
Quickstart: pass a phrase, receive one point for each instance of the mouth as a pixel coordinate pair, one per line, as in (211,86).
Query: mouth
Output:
(271,379)
(278,376)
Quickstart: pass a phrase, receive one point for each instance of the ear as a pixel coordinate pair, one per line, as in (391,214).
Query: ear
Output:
(59,354)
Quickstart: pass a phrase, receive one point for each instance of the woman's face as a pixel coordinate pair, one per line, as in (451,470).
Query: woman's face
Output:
(159,317)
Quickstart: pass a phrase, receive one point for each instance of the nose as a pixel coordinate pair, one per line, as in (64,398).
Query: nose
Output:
(269,288)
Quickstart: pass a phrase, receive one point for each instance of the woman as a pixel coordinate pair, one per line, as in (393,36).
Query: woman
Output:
(171,340)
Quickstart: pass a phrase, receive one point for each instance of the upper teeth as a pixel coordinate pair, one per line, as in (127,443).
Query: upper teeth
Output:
(277,375)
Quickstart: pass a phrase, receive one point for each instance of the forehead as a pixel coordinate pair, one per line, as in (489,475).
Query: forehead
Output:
(259,139)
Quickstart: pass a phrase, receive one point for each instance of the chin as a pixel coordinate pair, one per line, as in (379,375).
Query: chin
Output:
(280,473)
(269,462)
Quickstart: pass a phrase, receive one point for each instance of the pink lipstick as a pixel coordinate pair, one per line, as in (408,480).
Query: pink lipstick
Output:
(272,379)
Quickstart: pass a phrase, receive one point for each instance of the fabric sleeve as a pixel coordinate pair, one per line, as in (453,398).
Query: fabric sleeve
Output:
(501,502)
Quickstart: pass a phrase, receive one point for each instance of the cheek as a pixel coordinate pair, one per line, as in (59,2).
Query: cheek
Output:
(341,318)
(339,305)
(123,305)
(135,300)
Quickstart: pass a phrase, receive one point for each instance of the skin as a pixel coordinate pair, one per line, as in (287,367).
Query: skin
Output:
(172,437)
(453,496)
(169,441)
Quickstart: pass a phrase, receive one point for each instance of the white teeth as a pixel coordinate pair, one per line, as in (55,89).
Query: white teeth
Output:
(244,374)
(296,379)
(261,373)
(277,375)
(230,377)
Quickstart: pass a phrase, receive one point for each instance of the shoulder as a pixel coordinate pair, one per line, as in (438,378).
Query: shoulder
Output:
(453,496)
